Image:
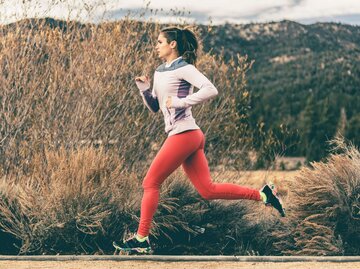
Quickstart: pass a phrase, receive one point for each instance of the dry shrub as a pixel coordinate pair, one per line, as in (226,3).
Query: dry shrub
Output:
(325,202)
(72,85)
(69,202)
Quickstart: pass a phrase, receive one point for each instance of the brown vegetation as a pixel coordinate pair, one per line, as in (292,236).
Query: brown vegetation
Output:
(72,85)
(324,213)
(75,142)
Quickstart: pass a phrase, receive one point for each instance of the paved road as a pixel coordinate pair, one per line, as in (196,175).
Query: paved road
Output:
(172,265)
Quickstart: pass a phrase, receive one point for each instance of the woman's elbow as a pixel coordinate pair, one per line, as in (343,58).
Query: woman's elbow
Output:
(214,92)
(211,90)
(155,110)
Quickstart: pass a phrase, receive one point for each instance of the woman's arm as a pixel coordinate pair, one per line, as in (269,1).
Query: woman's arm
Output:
(149,98)
(206,89)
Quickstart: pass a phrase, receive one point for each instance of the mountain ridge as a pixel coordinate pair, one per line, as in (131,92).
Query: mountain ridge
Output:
(292,64)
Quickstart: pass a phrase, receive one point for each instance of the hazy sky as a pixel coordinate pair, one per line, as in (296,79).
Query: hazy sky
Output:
(201,11)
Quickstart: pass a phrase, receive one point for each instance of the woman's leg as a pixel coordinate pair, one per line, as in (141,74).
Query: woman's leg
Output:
(172,154)
(197,169)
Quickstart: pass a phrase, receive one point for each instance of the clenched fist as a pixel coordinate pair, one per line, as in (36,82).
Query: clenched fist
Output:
(169,102)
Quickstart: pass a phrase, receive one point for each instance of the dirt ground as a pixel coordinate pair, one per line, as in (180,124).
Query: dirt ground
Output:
(172,265)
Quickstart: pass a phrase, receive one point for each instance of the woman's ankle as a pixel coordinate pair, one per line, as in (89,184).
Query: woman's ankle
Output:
(140,237)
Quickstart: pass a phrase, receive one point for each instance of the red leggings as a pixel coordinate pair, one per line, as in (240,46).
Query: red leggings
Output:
(186,149)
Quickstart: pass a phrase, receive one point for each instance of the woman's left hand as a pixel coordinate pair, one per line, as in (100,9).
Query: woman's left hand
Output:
(168,102)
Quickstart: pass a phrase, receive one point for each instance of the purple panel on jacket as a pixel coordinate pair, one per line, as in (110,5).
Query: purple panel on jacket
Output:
(183,91)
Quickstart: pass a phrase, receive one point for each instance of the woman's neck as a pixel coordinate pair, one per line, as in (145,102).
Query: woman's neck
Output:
(171,58)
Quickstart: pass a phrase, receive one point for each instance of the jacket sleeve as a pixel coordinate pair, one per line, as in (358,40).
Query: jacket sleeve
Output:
(150,100)
(206,89)
(148,96)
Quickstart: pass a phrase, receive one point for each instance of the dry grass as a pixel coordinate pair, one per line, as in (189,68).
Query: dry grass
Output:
(79,201)
(325,207)
(70,200)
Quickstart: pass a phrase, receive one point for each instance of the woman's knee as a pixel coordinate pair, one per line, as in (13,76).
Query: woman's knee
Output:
(150,183)
(208,192)
(207,195)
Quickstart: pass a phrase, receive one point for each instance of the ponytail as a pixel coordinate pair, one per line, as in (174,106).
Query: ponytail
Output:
(187,44)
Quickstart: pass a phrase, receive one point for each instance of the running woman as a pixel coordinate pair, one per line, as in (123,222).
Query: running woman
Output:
(172,93)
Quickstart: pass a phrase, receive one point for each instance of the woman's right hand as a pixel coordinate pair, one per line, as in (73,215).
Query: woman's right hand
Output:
(143,83)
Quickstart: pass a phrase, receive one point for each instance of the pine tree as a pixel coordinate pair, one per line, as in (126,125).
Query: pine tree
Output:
(307,124)
(341,127)
(352,131)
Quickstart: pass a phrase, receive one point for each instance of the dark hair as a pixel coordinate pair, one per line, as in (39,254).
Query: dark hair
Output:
(187,44)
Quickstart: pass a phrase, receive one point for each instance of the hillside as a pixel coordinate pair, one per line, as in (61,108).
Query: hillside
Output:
(303,76)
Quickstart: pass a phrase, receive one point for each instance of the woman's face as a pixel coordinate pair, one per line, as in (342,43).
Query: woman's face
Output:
(163,48)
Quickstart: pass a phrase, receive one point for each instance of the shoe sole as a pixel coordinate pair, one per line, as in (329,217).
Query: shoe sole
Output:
(130,251)
(271,189)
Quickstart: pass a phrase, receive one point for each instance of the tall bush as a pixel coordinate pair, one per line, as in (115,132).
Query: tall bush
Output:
(324,208)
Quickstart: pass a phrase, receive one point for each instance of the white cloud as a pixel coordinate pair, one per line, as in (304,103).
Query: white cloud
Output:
(312,9)
(240,11)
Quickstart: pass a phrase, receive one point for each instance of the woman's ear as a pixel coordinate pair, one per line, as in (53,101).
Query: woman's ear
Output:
(173,44)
